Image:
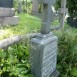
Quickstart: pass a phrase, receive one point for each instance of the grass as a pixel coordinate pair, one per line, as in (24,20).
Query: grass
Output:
(27,24)
(67,41)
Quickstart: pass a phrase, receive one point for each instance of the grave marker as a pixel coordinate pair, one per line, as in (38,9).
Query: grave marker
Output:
(7,13)
(6,3)
(44,46)
(62,11)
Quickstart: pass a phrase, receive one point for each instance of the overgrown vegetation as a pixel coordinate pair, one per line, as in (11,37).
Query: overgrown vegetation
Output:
(14,62)
(26,5)
(67,54)
(27,24)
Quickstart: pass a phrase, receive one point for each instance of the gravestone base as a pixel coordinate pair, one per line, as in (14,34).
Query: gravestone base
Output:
(56,73)
(9,20)
(7,16)
(5,12)
(43,55)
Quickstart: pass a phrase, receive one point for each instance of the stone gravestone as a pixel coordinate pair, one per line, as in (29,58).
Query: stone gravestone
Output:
(7,13)
(6,3)
(43,55)
(62,11)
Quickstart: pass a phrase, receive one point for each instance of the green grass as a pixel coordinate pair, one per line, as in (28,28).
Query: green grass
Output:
(67,42)
(27,24)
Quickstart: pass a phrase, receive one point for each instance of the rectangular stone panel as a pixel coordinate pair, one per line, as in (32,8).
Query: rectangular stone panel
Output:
(6,3)
(4,12)
(44,55)
(47,1)
(9,20)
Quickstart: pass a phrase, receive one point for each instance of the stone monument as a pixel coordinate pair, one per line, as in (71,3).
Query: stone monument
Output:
(6,3)
(7,13)
(62,11)
(43,55)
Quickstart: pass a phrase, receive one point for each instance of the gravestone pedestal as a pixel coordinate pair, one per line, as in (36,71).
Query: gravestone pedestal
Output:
(44,55)
(7,16)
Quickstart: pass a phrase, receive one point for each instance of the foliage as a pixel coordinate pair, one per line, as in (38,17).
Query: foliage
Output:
(71,5)
(26,5)
(67,56)
(27,24)
(15,4)
(14,61)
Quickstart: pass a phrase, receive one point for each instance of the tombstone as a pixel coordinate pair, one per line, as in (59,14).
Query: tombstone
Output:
(7,13)
(43,55)
(62,11)
(6,3)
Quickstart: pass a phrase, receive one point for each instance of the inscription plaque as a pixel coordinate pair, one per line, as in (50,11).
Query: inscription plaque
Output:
(44,55)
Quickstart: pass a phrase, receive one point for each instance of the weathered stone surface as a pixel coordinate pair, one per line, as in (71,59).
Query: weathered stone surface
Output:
(4,12)
(43,55)
(6,3)
(56,73)
(5,43)
(9,41)
(47,1)
(9,20)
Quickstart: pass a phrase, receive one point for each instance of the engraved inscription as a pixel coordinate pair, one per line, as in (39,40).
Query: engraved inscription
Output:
(49,59)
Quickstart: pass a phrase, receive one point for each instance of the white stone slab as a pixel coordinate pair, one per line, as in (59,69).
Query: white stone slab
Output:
(7,12)
(9,20)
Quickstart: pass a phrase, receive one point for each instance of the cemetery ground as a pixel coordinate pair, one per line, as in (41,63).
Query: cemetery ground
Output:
(14,61)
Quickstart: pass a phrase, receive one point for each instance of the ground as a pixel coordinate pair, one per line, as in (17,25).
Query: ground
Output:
(67,45)
(27,24)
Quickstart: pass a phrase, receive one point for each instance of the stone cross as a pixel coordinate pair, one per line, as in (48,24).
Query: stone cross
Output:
(43,55)
(46,15)
(62,11)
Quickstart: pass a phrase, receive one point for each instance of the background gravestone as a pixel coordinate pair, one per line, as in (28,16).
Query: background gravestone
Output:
(6,3)
(62,12)
(7,13)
